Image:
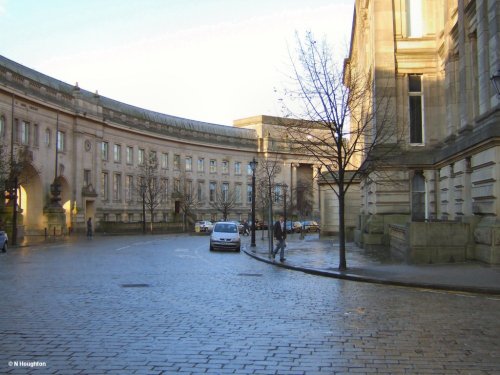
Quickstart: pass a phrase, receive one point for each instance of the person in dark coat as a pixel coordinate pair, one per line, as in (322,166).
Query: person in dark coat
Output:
(280,235)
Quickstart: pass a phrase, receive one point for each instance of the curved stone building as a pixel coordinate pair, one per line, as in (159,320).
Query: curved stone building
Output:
(93,147)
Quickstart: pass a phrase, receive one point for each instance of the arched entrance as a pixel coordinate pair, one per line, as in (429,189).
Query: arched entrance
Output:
(30,201)
(65,199)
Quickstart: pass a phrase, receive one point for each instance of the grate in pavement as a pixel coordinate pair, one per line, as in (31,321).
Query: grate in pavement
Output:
(135,285)
(250,274)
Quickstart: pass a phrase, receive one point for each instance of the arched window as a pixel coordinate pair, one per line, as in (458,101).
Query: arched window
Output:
(418,197)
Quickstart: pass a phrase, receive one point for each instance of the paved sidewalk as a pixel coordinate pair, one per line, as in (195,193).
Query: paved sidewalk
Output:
(320,257)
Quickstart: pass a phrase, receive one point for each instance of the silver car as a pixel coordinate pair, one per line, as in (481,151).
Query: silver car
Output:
(225,236)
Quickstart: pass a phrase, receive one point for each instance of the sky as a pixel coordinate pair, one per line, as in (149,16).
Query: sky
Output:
(208,60)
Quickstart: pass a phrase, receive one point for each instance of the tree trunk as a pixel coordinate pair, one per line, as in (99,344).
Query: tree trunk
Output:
(342,252)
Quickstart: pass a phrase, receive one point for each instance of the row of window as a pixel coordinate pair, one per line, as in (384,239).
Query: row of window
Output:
(189,188)
(164,160)
(28,134)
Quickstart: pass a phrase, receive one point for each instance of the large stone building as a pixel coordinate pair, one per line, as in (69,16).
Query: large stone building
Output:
(93,147)
(440,199)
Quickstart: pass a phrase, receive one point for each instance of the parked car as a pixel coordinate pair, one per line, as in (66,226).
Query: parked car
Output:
(260,225)
(293,226)
(240,226)
(310,226)
(205,226)
(225,236)
(4,239)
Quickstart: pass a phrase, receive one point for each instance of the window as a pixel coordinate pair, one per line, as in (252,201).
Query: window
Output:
(177,162)
(225,191)
(201,165)
(104,186)
(25,133)
(237,193)
(2,126)
(277,193)
(415,18)
(201,186)
(189,164)
(213,166)
(130,218)
(86,178)
(249,169)
(130,155)
(164,190)
(140,156)
(415,108)
(177,185)
(129,187)
(117,187)
(418,197)
(211,187)
(47,137)
(61,141)
(225,167)
(249,193)
(118,217)
(189,190)
(164,160)
(117,153)
(237,168)
(104,151)
(36,136)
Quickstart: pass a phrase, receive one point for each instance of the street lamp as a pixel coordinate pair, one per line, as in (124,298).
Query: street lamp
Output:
(495,78)
(285,187)
(253,166)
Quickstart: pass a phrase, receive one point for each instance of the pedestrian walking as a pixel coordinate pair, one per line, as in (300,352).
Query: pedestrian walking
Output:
(89,228)
(246,228)
(280,235)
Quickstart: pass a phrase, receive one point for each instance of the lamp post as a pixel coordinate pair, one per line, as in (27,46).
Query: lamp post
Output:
(253,166)
(495,79)
(285,187)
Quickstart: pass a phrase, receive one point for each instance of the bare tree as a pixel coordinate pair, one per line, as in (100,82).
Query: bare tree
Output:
(344,127)
(224,200)
(268,169)
(150,186)
(186,194)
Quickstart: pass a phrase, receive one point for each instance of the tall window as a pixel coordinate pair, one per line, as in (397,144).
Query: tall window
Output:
(47,137)
(86,177)
(25,133)
(225,167)
(415,18)
(104,186)
(164,191)
(237,193)
(129,187)
(104,151)
(177,162)
(2,126)
(418,197)
(277,193)
(141,156)
(201,165)
(164,160)
(189,164)
(415,95)
(61,141)
(117,187)
(130,155)
(249,193)
(213,166)
(211,187)
(36,136)
(225,191)
(201,186)
(117,153)
(237,168)
(249,169)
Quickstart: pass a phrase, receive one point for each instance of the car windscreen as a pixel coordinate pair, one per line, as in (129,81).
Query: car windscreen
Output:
(225,228)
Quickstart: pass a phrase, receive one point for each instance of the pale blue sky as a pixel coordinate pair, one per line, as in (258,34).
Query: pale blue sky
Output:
(208,60)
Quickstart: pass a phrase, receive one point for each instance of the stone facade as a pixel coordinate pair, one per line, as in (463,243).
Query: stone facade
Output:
(436,59)
(99,146)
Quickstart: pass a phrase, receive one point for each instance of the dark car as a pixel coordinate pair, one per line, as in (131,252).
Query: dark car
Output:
(3,241)
(310,226)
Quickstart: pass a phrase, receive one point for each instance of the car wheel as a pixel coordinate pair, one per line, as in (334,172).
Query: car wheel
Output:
(211,248)
(238,249)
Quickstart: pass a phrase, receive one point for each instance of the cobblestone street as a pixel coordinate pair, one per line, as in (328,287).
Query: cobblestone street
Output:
(166,305)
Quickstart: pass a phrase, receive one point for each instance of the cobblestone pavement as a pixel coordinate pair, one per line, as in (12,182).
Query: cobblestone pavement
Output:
(166,305)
